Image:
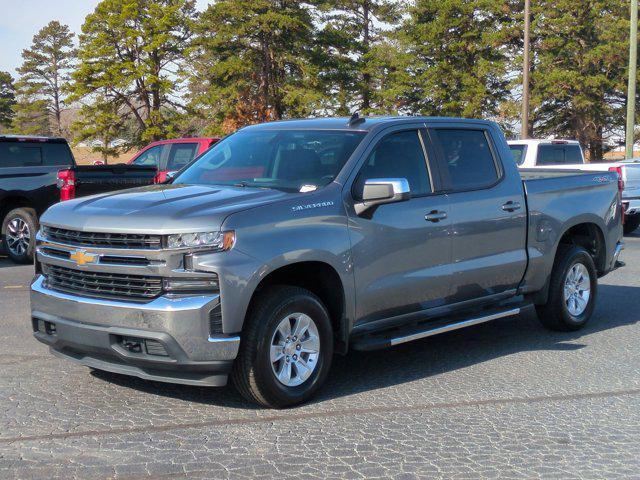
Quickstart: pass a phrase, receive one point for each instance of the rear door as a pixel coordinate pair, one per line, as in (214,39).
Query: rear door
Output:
(401,260)
(487,213)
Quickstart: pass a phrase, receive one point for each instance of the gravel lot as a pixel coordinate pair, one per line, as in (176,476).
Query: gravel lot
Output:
(502,400)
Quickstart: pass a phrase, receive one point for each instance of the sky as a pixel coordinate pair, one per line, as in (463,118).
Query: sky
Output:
(23,18)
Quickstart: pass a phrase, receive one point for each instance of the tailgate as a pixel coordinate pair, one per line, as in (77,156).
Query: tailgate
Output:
(106,178)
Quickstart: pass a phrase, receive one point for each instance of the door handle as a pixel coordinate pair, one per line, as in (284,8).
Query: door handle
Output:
(511,206)
(435,216)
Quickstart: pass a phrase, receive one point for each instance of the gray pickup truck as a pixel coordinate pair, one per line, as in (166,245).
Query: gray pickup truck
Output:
(290,241)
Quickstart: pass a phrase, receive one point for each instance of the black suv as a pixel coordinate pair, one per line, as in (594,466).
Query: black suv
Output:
(28,186)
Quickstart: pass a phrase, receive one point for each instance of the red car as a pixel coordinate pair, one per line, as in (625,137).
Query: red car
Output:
(171,155)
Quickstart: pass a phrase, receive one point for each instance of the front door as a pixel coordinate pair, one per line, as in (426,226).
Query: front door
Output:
(401,252)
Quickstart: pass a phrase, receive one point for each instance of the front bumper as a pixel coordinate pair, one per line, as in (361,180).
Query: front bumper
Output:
(166,339)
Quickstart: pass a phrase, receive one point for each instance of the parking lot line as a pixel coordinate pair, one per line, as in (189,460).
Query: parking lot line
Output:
(327,414)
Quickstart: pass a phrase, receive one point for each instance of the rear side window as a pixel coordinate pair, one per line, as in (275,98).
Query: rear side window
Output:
(519,153)
(181,154)
(19,154)
(467,162)
(398,155)
(56,154)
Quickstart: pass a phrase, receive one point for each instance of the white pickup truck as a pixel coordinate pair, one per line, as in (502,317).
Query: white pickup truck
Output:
(567,154)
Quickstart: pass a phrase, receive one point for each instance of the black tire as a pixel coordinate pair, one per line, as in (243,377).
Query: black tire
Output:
(25,217)
(252,373)
(555,315)
(631,224)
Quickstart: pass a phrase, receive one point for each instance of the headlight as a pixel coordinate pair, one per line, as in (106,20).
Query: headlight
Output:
(214,240)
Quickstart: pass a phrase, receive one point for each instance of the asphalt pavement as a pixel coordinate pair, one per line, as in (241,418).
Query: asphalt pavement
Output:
(507,399)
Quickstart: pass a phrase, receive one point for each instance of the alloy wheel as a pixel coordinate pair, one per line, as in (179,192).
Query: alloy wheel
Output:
(577,289)
(295,349)
(18,236)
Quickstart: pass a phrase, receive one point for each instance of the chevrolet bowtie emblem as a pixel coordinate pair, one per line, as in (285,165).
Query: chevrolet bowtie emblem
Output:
(81,257)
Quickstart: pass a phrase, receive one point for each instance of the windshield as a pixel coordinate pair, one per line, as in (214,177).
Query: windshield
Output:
(518,152)
(292,160)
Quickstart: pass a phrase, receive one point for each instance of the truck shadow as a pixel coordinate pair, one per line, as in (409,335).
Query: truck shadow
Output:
(366,371)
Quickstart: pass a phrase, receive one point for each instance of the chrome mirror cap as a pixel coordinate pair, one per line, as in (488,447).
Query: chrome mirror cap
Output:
(380,191)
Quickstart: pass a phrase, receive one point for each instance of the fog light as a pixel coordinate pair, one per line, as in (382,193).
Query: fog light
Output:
(182,285)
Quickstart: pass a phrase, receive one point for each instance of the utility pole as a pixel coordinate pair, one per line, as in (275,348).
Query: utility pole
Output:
(524,120)
(631,88)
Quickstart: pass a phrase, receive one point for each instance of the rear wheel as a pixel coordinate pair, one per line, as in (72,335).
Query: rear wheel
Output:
(19,234)
(286,349)
(631,223)
(572,290)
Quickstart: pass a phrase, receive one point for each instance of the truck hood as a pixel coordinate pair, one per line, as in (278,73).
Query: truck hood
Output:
(158,209)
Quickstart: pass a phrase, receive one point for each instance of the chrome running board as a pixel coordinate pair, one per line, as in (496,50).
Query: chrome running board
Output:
(401,335)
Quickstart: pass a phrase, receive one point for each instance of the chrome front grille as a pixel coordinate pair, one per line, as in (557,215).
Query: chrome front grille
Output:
(105,240)
(102,285)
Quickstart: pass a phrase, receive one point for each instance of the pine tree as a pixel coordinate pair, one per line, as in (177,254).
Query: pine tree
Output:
(352,28)
(253,62)
(31,115)
(450,57)
(579,75)
(44,73)
(7,99)
(102,122)
(132,54)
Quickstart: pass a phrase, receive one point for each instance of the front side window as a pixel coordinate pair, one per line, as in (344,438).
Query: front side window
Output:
(399,155)
(149,158)
(280,159)
(467,160)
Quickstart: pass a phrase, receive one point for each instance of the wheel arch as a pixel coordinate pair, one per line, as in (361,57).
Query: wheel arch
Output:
(321,279)
(587,234)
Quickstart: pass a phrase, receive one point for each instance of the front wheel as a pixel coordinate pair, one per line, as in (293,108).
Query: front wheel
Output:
(572,290)
(286,349)
(19,229)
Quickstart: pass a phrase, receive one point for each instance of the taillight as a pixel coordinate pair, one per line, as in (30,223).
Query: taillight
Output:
(618,170)
(160,177)
(67,184)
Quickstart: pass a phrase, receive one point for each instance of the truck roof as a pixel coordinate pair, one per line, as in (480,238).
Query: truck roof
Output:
(32,138)
(541,141)
(365,123)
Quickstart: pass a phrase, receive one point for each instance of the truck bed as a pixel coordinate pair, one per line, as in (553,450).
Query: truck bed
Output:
(92,179)
(558,198)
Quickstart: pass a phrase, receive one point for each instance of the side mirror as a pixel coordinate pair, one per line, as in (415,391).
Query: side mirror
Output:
(380,191)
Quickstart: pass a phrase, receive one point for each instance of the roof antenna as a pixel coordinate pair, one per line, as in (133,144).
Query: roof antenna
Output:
(355,119)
